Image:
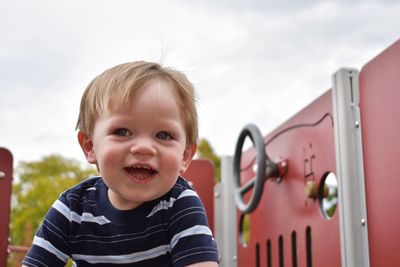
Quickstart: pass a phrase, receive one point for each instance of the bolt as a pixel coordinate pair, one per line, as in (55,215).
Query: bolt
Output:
(311,189)
(2,174)
(357,124)
(363,221)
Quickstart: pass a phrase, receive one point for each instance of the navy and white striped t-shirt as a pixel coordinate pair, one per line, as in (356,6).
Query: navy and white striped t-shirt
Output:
(83,225)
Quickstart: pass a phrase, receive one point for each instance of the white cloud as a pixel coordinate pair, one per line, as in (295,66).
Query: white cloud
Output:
(251,61)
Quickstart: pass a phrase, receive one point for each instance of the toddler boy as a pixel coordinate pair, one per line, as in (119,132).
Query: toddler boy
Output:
(138,125)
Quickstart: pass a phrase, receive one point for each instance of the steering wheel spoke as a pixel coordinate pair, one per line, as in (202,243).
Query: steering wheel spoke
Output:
(247,186)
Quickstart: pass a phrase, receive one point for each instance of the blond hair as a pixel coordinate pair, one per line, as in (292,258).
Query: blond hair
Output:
(117,86)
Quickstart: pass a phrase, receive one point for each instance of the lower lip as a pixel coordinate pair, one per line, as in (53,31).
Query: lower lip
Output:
(140,180)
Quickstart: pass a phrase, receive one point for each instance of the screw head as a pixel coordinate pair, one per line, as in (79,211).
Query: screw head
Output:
(311,189)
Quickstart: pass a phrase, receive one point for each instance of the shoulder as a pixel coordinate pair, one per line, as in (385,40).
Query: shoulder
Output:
(191,239)
(180,197)
(81,203)
(183,195)
(83,193)
(185,202)
(182,187)
(84,187)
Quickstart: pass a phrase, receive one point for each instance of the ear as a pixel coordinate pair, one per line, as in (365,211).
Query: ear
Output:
(87,147)
(188,155)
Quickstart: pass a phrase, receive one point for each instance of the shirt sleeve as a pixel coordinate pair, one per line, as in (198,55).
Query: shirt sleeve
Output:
(50,245)
(191,238)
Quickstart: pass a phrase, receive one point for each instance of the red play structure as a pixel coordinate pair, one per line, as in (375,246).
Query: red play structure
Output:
(320,190)
(323,188)
(6,168)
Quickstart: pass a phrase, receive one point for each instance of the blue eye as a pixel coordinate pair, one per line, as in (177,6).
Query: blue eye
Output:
(121,132)
(164,136)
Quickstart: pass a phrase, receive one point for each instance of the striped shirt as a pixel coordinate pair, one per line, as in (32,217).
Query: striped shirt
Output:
(82,225)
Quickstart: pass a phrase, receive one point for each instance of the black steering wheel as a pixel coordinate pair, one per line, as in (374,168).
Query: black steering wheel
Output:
(265,169)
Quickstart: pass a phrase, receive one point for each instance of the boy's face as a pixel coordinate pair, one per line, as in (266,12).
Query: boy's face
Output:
(140,150)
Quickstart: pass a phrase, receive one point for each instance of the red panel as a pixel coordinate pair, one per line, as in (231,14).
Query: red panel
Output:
(201,174)
(310,153)
(380,111)
(306,141)
(6,167)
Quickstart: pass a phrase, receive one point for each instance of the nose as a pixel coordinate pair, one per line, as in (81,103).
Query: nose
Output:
(142,147)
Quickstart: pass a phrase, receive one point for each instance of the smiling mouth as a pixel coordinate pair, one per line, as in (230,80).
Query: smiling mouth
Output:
(140,173)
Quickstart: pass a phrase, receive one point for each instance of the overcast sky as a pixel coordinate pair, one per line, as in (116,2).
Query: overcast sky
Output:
(251,61)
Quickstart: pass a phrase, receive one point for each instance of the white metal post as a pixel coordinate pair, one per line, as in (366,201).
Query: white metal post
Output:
(350,169)
(225,215)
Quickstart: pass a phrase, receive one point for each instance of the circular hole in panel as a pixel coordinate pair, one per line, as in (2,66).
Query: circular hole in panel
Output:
(244,229)
(328,195)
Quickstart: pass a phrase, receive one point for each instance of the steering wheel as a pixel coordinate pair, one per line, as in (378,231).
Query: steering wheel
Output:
(257,183)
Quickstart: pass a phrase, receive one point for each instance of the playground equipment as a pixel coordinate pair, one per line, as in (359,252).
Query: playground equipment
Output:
(6,168)
(321,189)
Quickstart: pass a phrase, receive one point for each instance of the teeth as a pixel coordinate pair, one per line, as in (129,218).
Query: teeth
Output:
(140,167)
(144,167)
(137,168)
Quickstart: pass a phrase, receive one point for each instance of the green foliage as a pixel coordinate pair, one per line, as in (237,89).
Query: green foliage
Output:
(206,151)
(38,185)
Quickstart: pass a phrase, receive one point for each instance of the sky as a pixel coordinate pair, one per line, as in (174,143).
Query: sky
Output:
(258,61)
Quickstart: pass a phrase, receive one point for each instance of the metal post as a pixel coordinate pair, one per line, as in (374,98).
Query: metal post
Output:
(350,169)
(225,215)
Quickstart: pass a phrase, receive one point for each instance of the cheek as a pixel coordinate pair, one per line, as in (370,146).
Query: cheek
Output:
(173,161)
(106,155)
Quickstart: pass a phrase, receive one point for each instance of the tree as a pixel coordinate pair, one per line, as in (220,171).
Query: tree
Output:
(38,185)
(206,151)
